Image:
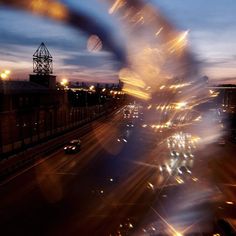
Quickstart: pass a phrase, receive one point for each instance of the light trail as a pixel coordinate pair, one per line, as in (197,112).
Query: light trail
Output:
(173,230)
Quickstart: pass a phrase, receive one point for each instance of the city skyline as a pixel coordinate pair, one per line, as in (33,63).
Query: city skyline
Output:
(211,26)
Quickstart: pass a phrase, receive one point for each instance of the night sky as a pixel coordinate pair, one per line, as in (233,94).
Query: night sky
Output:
(212,26)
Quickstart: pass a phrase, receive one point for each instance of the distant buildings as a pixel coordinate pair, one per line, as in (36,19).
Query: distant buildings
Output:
(226,104)
(28,113)
(36,110)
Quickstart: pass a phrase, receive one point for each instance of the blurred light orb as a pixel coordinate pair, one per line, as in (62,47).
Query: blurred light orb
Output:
(3,76)
(94,43)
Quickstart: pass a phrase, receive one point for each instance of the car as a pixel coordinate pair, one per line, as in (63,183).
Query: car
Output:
(165,168)
(130,124)
(174,154)
(183,170)
(188,155)
(126,114)
(73,146)
(122,139)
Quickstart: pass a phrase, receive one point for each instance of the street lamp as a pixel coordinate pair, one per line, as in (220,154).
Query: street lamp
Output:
(92,87)
(64,82)
(5,74)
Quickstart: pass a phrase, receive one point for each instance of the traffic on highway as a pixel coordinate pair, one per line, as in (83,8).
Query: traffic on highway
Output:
(126,176)
(117,118)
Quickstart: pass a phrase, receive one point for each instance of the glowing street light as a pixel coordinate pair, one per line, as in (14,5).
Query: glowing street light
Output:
(92,87)
(64,82)
(180,105)
(5,74)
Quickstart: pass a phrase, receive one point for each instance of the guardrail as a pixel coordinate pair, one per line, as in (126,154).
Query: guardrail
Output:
(27,157)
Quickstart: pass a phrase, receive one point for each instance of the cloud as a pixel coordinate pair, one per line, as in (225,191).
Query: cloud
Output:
(91,60)
(212,26)
(21,34)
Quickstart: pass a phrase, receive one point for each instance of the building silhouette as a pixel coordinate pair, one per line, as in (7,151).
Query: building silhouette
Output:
(34,111)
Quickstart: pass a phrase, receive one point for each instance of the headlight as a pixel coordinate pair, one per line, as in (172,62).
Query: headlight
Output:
(65,148)
(168,169)
(73,148)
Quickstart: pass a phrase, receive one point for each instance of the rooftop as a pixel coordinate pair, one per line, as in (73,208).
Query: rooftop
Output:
(19,86)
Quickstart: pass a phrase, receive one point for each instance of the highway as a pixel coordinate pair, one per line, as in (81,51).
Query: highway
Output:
(125,181)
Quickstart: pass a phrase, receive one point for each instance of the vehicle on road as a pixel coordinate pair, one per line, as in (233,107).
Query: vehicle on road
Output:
(188,155)
(174,154)
(73,146)
(130,124)
(183,170)
(127,114)
(165,168)
(135,114)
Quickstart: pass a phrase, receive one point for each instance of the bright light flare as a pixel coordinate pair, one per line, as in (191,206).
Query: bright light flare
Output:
(180,105)
(179,180)
(64,82)
(211,91)
(229,203)
(52,8)
(159,31)
(178,234)
(136,93)
(117,4)
(92,87)
(179,42)
(3,76)
(7,72)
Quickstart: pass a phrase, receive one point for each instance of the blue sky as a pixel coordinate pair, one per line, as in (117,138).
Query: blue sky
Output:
(212,25)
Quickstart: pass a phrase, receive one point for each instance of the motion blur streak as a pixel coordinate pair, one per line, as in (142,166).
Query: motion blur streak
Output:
(59,11)
(152,49)
(157,52)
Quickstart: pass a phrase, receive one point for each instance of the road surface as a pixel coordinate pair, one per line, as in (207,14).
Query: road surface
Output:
(116,184)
